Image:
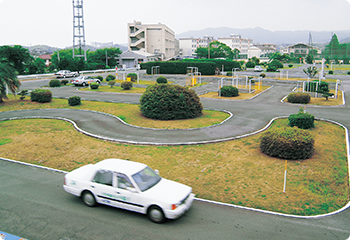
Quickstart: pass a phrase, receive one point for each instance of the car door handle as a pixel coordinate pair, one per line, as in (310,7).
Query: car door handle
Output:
(92,186)
(118,192)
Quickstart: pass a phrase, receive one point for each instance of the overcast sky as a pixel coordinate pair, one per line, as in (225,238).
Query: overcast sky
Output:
(50,22)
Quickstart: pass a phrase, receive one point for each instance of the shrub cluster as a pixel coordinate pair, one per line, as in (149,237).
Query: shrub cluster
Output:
(132,76)
(274,65)
(74,100)
(100,78)
(299,97)
(229,91)
(55,83)
(126,85)
(330,72)
(302,120)
(64,82)
(110,77)
(170,102)
(111,83)
(162,79)
(250,64)
(41,95)
(287,143)
(94,85)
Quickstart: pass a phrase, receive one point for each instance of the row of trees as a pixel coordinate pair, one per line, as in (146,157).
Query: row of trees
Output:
(217,50)
(24,63)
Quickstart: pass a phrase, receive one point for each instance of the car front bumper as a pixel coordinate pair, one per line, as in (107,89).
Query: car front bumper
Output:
(179,211)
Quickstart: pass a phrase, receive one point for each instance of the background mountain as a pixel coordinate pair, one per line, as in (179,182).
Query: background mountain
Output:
(260,35)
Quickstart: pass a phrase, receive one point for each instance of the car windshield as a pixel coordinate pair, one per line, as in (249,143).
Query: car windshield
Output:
(80,77)
(146,179)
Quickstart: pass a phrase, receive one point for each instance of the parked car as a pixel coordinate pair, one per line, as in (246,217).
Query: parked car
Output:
(84,80)
(129,185)
(258,69)
(66,73)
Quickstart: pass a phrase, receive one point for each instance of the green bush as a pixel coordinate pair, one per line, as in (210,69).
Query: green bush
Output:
(229,91)
(111,83)
(299,97)
(132,76)
(290,65)
(271,69)
(94,85)
(302,120)
(162,79)
(41,95)
(100,78)
(263,75)
(55,83)
(313,86)
(126,85)
(110,77)
(74,100)
(287,143)
(64,82)
(250,65)
(170,102)
(349,73)
(274,65)
(330,72)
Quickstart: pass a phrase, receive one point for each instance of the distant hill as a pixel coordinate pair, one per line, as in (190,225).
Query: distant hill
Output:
(260,35)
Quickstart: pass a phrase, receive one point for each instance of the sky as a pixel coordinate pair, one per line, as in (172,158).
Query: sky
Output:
(50,22)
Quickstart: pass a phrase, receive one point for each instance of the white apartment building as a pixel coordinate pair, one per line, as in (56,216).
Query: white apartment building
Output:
(189,45)
(156,39)
(237,42)
(266,48)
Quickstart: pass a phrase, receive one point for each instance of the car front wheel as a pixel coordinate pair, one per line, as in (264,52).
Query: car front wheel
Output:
(89,199)
(156,214)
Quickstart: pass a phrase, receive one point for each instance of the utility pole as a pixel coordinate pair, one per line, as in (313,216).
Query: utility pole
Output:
(78,29)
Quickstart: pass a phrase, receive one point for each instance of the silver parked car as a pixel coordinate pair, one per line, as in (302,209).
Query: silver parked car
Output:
(84,80)
(66,73)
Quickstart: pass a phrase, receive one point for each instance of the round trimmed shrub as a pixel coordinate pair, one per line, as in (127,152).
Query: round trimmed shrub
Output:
(290,65)
(41,95)
(170,102)
(287,143)
(162,79)
(94,85)
(229,91)
(126,85)
(99,78)
(110,77)
(74,100)
(302,120)
(64,82)
(55,83)
(111,83)
(132,76)
(263,75)
(299,97)
(330,72)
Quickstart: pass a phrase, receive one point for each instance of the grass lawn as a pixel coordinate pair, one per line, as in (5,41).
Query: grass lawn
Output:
(115,89)
(241,96)
(231,172)
(321,101)
(129,113)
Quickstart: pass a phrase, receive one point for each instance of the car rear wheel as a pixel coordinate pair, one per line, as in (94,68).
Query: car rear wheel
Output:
(89,199)
(84,84)
(156,214)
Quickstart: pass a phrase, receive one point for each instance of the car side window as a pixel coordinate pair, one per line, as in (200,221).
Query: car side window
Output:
(104,177)
(124,181)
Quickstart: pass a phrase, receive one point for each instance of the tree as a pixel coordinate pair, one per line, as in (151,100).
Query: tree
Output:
(216,50)
(100,56)
(8,79)
(17,56)
(37,67)
(309,59)
(311,71)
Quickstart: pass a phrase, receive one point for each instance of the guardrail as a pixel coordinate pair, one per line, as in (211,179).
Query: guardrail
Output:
(39,76)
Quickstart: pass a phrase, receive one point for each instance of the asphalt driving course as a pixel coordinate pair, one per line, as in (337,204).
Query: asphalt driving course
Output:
(34,205)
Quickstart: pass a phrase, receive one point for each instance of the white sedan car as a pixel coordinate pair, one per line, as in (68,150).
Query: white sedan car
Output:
(66,73)
(84,80)
(129,185)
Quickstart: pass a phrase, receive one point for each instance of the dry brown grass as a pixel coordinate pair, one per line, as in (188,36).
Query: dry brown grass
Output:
(232,172)
(241,96)
(129,113)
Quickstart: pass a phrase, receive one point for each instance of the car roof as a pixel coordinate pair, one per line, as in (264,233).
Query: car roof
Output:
(122,166)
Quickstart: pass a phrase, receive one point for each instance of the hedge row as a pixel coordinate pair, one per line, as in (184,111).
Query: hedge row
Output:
(41,95)
(205,67)
(302,120)
(299,97)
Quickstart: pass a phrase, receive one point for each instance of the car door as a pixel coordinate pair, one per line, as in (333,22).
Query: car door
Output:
(103,187)
(129,196)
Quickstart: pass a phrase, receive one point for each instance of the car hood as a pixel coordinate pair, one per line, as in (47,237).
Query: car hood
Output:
(168,191)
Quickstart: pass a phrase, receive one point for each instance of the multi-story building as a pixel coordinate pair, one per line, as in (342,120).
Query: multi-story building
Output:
(156,39)
(239,43)
(300,49)
(266,48)
(188,46)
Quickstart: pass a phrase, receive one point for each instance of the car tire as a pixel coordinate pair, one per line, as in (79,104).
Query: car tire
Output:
(155,214)
(84,84)
(89,199)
